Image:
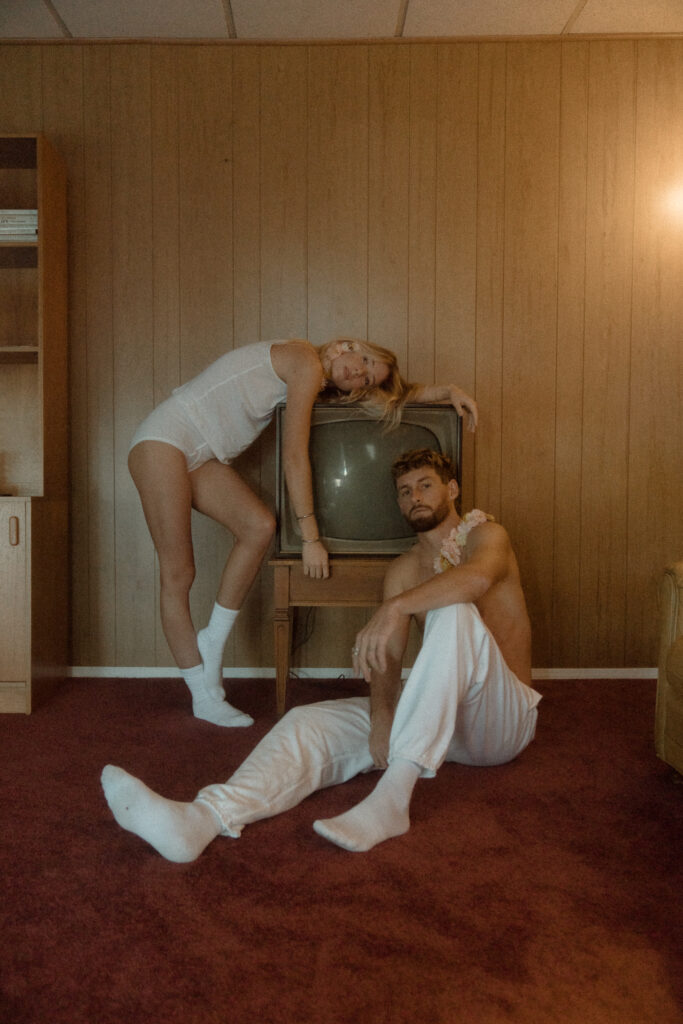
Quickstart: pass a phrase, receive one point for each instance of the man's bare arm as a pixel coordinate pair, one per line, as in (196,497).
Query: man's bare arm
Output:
(488,563)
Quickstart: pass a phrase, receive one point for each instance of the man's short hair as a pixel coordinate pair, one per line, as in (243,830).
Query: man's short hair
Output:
(419,457)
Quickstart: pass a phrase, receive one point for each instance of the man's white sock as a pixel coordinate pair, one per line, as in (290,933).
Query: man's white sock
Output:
(382,815)
(210,705)
(211,642)
(178,831)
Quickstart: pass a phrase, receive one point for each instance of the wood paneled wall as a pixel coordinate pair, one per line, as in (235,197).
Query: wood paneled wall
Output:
(501,214)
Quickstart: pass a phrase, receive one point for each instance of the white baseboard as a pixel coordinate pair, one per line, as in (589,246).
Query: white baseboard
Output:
(164,672)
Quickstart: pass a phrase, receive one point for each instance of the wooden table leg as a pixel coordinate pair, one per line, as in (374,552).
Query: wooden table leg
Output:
(282,624)
(283,631)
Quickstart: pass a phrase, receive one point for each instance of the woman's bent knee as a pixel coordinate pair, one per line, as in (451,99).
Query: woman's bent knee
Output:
(261,530)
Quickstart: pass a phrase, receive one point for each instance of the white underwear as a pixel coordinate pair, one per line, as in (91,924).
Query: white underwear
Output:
(170,423)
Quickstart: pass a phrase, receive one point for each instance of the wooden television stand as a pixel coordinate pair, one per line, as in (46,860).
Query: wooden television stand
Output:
(353,582)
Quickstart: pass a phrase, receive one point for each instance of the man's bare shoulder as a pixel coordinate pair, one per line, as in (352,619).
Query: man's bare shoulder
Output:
(488,535)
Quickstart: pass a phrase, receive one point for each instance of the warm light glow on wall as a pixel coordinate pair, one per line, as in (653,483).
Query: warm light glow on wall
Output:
(673,201)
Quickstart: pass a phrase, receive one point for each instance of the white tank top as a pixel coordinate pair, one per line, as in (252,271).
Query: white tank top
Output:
(232,401)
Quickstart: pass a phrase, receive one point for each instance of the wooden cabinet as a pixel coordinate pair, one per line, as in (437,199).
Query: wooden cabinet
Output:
(34,616)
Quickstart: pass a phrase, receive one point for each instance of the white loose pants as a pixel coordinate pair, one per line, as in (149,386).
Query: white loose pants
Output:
(460,703)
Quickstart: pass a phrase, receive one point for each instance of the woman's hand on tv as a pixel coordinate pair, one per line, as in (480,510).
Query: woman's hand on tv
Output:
(450,394)
(315,560)
(464,405)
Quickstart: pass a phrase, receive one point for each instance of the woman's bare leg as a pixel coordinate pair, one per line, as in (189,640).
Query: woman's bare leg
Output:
(159,472)
(220,493)
(167,492)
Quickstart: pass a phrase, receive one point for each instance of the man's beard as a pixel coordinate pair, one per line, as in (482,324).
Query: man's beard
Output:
(423,523)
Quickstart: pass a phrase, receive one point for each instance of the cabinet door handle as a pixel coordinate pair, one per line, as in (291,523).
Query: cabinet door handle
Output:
(14,530)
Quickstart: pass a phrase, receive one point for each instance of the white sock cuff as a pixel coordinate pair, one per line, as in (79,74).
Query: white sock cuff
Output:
(221,619)
(194,674)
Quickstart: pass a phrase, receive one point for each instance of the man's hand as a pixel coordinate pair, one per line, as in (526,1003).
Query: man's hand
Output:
(315,560)
(370,649)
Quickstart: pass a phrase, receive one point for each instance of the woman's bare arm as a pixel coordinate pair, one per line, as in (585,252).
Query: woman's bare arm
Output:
(297,363)
(463,403)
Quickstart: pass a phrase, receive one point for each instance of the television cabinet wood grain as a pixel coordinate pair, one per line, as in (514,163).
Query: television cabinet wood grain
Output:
(353,582)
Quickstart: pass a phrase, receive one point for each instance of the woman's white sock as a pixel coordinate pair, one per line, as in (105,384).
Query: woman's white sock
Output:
(210,704)
(211,642)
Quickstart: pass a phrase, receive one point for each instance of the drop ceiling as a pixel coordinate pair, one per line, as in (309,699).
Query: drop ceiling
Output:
(285,20)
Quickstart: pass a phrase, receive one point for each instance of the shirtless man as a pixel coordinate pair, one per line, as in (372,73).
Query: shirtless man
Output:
(467,698)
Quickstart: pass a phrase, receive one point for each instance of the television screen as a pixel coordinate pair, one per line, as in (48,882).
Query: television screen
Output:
(351,456)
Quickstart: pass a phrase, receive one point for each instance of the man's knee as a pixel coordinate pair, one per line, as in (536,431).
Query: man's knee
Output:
(326,718)
(451,622)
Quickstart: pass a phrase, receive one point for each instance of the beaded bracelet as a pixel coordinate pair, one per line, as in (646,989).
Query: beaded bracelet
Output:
(307,516)
(313,541)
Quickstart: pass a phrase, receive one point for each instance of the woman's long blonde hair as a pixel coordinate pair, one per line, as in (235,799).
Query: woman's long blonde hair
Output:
(385,401)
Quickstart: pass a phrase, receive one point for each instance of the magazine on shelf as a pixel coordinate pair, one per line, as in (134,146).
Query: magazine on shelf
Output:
(18,225)
(14,215)
(13,220)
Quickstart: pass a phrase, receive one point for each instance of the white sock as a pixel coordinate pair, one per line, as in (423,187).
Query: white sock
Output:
(382,815)
(211,642)
(209,705)
(178,831)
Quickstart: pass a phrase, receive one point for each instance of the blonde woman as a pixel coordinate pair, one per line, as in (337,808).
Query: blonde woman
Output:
(180,458)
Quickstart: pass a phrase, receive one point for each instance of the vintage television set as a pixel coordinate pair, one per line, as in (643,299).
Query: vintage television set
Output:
(351,455)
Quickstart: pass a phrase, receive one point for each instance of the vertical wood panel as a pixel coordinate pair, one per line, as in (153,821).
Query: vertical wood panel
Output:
(99,624)
(490,277)
(456,224)
(388,177)
(283,226)
(165,143)
(21,90)
(133,339)
(206,203)
(609,254)
(570,338)
(337,192)
(655,523)
(422,213)
(246,195)
(530,310)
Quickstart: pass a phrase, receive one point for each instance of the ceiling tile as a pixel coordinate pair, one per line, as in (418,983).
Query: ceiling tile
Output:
(487,17)
(27,19)
(630,16)
(315,19)
(153,19)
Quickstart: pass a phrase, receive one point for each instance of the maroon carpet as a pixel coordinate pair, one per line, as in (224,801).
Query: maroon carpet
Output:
(547,890)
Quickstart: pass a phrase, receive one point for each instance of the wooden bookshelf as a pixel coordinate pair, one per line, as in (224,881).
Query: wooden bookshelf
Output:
(33,427)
